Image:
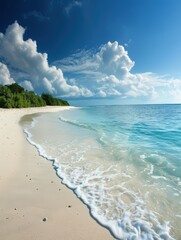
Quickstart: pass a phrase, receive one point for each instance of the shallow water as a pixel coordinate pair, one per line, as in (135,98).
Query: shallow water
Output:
(122,161)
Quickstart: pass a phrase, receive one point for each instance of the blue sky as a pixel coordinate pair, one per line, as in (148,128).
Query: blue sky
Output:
(93,51)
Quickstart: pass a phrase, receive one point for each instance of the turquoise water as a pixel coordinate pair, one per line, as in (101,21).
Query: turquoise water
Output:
(122,161)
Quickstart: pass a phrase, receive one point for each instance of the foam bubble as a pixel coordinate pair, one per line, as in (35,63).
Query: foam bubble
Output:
(112,193)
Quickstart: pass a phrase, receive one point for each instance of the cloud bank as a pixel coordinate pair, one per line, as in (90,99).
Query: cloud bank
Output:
(100,73)
(109,71)
(30,68)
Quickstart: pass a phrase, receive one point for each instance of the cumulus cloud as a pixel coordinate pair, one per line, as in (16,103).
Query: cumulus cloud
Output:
(113,59)
(27,85)
(5,77)
(103,72)
(22,56)
(109,71)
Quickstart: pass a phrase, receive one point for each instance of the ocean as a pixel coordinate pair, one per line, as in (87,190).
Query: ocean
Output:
(123,162)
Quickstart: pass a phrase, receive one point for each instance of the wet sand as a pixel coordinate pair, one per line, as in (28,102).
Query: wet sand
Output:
(34,204)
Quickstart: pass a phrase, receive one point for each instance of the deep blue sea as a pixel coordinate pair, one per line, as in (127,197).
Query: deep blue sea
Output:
(123,162)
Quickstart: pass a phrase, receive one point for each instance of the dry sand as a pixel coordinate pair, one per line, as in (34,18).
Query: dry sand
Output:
(30,191)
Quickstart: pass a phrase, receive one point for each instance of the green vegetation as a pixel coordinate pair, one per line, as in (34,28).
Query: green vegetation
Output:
(15,96)
(53,101)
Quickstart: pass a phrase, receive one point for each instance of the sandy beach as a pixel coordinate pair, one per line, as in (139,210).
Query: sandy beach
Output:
(34,204)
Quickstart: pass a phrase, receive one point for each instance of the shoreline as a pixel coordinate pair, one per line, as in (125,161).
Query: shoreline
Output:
(34,202)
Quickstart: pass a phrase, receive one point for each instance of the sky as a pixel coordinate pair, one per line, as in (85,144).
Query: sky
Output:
(93,51)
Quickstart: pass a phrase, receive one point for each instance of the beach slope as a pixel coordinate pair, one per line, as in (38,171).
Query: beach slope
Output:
(33,202)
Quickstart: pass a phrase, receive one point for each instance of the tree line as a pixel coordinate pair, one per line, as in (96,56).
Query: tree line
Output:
(15,96)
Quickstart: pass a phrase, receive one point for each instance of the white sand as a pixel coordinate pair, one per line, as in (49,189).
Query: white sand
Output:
(31,191)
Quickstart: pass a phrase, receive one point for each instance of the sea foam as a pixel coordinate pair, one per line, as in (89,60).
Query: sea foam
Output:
(122,183)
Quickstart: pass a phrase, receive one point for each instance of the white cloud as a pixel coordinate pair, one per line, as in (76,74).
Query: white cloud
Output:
(107,72)
(5,77)
(101,93)
(81,62)
(72,5)
(90,73)
(107,91)
(22,56)
(113,59)
(27,85)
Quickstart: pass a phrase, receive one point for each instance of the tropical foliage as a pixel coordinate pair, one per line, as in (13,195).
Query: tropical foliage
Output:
(15,96)
(53,101)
